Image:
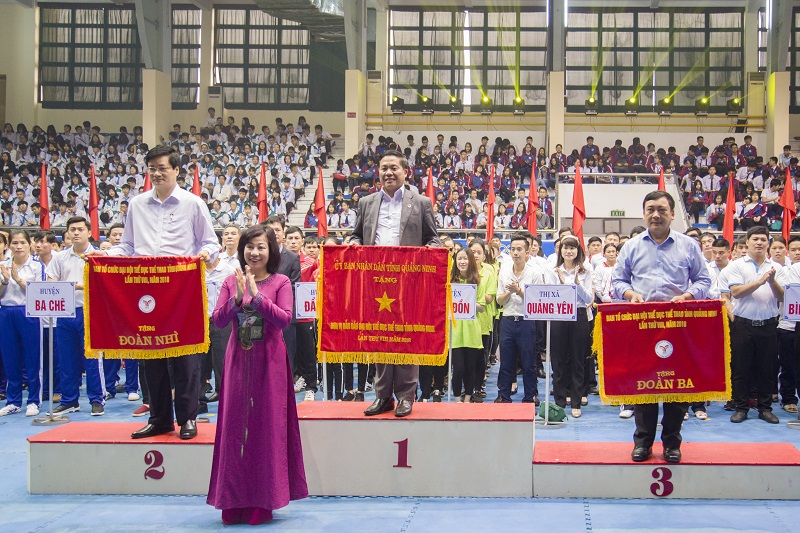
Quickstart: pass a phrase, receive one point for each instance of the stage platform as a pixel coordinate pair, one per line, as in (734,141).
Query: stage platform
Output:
(736,471)
(446,449)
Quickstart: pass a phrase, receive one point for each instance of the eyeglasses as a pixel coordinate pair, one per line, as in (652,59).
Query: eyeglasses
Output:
(161,170)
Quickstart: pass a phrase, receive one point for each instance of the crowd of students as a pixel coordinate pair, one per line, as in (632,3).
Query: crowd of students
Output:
(227,159)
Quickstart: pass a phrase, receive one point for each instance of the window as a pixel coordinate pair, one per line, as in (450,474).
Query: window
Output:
(793,65)
(468,54)
(185,57)
(762,40)
(261,61)
(89,58)
(654,54)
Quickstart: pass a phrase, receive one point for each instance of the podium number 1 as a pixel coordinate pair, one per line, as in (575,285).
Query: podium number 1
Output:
(402,454)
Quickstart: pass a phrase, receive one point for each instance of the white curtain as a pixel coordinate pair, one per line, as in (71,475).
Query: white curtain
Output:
(185,55)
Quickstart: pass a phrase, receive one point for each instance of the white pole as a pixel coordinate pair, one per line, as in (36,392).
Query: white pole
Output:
(547,376)
(325,379)
(450,366)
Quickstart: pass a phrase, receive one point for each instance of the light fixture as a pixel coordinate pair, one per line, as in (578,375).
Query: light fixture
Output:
(487,106)
(591,106)
(734,107)
(519,106)
(427,106)
(665,107)
(701,107)
(631,106)
(456,107)
(398,105)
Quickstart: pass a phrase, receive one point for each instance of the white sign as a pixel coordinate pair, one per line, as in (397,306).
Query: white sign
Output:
(791,303)
(551,302)
(464,296)
(305,301)
(50,299)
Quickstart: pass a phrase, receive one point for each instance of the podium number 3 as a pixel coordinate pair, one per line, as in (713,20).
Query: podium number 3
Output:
(402,454)
(154,461)
(662,487)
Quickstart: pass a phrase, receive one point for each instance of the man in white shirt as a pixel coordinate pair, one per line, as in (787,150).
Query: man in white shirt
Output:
(787,353)
(169,221)
(754,342)
(68,265)
(517,336)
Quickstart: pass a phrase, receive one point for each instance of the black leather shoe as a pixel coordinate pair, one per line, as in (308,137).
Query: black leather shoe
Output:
(188,430)
(499,399)
(151,431)
(359,397)
(738,417)
(672,455)
(213,398)
(403,408)
(768,416)
(541,373)
(380,405)
(640,454)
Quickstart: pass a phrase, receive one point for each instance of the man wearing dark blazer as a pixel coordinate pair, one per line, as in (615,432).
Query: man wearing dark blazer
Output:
(394,216)
(290,267)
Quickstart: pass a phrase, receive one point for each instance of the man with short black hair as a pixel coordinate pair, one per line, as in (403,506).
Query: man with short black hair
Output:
(68,265)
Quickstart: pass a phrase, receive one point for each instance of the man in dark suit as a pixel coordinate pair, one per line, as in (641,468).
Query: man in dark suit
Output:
(290,267)
(395,216)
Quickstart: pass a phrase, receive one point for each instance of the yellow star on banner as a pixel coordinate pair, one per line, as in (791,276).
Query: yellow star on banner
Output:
(385,302)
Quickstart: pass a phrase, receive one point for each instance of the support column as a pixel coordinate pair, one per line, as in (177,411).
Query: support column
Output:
(751,38)
(382,40)
(207,60)
(556,108)
(156,105)
(355,106)
(355,31)
(777,112)
(20,51)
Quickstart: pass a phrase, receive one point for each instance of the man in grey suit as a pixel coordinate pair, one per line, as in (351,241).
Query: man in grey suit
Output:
(394,216)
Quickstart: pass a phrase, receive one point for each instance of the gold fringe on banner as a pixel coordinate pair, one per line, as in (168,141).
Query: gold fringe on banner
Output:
(388,358)
(176,351)
(709,396)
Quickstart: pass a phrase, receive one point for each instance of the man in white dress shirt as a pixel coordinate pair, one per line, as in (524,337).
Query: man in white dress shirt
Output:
(169,221)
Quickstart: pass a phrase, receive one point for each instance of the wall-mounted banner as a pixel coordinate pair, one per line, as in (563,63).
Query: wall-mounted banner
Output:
(663,352)
(145,307)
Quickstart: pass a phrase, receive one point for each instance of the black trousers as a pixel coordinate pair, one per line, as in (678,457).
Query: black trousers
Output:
(569,341)
(463,360)
(306,355)
(754,359)
(333,380)
(787,359)
(186,375)
(432,378)
(646,416)
(364,371)
(219,342)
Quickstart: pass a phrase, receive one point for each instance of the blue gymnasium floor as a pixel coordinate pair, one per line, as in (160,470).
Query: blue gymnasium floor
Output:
(22,512)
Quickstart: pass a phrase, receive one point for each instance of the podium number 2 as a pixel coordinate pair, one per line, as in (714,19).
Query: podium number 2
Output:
(402,454)
(662,487)
(154,461)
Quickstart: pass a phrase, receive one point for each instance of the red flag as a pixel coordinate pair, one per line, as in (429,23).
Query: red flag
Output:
(263,206)
(533,203)
(578,207)
(429,191)
(94,216)
(730,207)
(44,200)
(789,209)
(147,183)
(196,182)
(319,209)
(661,186)
(491,200)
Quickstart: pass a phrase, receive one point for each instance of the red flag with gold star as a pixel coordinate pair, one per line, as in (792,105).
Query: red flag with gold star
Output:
(382,319)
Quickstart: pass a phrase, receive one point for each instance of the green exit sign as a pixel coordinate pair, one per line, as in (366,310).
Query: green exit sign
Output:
(618,213)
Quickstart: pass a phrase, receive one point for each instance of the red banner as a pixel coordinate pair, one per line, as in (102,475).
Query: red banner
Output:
(383,304)
(661,351)
(145,307)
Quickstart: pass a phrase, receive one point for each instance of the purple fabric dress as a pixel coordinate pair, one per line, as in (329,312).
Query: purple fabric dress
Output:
(258,459)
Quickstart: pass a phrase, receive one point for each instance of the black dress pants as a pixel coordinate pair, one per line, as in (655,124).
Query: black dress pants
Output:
(646,416)
(186,375)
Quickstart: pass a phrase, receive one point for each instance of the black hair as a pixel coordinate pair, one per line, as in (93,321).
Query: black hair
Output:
(77,220)
(757,230)
(657,195)
(161,151)
(274,261)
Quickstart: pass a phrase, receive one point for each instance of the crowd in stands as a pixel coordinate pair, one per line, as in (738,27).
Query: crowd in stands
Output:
(462,177)
(226,158)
